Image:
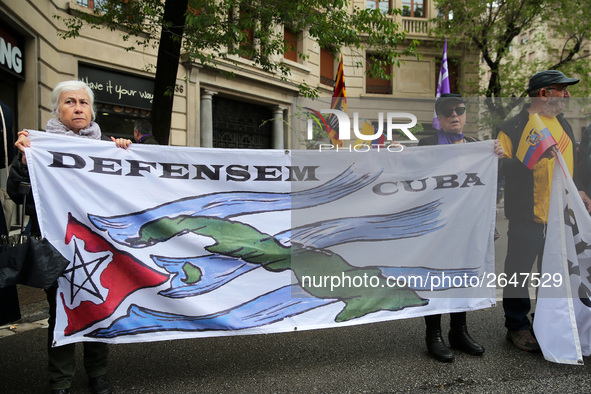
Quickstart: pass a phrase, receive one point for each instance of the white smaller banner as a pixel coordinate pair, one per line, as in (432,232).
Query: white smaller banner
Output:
(562,322)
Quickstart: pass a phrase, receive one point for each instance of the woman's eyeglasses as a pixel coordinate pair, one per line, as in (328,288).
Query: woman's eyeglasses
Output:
(447,112)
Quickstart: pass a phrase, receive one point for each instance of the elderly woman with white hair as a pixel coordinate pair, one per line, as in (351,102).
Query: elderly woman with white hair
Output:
(73,108)
(74,116)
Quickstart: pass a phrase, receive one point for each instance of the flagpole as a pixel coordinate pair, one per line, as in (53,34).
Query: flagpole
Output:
(442,83)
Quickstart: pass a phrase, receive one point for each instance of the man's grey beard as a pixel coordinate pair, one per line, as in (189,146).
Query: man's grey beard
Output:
(553,107)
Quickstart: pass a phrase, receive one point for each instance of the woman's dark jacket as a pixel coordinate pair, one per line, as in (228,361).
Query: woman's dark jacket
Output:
(19,175)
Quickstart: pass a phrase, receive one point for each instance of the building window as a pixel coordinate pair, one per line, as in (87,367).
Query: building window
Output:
(243,19)
(247,47)
(453,71)
(290,40)
(378,85)
(86,3)
(413,8)
(327,66)
(98,4)
(383,5)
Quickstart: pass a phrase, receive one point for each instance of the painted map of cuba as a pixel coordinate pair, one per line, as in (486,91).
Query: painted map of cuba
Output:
(239,248)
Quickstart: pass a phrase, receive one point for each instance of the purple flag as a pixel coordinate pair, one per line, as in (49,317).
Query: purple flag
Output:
(443,83)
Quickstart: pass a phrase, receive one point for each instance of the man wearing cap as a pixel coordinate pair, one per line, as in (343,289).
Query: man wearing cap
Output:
(527,194)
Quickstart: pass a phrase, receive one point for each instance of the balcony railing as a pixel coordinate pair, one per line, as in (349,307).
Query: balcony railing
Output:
(416,26)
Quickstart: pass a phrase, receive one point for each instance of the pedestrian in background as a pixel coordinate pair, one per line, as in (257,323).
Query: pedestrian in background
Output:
(142,132)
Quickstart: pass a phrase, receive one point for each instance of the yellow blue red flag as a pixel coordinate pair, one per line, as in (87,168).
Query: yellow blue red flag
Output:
(535,140)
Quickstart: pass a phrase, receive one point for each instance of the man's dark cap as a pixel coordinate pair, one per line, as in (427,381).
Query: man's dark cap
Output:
(447,98)
(549,77)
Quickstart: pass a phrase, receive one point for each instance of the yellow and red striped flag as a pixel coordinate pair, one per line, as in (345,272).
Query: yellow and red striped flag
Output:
(339,101)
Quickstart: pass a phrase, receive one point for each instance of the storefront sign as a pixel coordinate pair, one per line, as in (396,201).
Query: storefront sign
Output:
(11,53)
(111,87)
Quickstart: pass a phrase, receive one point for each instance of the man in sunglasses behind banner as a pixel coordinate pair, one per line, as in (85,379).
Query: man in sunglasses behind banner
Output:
(451,112)
(450,109)
(527,193)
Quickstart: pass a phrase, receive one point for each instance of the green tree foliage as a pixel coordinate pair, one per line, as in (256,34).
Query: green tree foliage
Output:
(517,38)
(215,32)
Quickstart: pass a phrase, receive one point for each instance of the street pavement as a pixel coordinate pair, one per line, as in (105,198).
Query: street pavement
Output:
(388,357)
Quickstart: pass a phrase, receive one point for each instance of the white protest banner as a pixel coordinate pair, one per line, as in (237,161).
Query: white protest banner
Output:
(562,322)
(172,242)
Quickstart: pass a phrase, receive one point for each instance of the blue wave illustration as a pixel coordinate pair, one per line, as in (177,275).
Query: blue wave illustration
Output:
(410,223)
(265,309)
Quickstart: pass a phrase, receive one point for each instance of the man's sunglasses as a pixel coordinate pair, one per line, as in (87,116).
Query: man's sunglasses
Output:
(447,112)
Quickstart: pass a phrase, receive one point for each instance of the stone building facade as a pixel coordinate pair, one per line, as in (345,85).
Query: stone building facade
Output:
(250,110)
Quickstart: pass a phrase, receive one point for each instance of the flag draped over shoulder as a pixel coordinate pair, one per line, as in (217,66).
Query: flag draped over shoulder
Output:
(442,82)
(562,321)
(535,140)
(171,242)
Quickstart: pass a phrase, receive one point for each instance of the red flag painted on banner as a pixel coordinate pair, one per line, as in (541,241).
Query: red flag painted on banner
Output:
(100,277)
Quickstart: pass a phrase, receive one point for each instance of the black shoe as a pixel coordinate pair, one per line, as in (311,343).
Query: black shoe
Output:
(437,347)
(100,385)
(461,340)
(60,391)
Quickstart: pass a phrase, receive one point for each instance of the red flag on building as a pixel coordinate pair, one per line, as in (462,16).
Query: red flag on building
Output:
(339,101)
